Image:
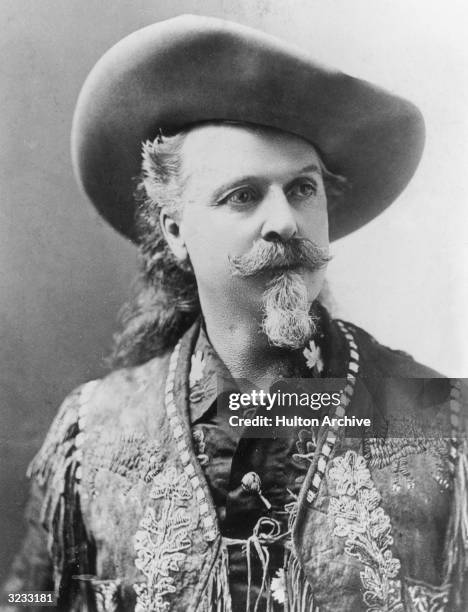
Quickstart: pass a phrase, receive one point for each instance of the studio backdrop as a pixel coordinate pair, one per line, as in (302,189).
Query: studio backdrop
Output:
(64,273)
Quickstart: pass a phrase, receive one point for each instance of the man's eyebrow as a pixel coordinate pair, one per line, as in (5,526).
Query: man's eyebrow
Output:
(311,168)
(219,192)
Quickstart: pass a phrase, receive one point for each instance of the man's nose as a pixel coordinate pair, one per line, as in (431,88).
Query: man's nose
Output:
(280,221)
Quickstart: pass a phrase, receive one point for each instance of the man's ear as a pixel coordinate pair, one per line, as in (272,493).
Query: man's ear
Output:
(171,230)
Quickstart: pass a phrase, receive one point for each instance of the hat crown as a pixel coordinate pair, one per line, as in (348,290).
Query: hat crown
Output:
(191,68)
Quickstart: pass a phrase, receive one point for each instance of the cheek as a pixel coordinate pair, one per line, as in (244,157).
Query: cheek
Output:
(208,244)
(314,224)
(215,234)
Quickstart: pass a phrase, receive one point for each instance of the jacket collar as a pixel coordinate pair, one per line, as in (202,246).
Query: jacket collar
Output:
(323,356)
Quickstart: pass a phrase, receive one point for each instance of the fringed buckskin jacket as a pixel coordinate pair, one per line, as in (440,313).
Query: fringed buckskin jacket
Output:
(122,516)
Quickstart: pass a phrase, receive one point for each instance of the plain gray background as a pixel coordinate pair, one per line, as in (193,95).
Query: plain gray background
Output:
(64,273)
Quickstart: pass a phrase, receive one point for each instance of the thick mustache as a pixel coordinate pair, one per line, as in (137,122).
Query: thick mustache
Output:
(267,255)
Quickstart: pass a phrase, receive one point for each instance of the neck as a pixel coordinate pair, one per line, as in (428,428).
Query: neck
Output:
(245,350)
(234,329)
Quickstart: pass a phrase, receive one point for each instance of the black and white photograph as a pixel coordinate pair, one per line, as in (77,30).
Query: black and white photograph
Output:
(234,306)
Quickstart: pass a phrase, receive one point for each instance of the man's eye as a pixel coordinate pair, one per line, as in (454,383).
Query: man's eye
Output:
(241,196)
(303,189)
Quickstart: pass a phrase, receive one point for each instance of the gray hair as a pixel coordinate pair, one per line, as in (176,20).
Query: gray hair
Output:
(165,300)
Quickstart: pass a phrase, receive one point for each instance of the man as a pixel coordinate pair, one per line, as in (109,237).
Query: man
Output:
(145,495)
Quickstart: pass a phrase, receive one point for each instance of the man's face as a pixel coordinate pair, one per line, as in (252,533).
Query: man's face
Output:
(243,186)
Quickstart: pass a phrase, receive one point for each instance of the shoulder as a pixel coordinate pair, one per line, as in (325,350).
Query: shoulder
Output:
(103,403)
(400,388)
(389,361)
(127,402)
(123,389)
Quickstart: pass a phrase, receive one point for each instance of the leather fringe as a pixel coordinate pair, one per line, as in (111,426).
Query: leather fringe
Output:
(216,597)
(298,592)
(457,534)
(56,468)
(53,468)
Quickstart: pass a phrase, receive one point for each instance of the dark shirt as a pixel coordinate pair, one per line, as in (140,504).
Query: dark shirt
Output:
(229,455)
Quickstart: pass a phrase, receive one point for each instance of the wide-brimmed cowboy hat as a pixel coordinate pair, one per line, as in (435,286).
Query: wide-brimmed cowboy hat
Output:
(191,69)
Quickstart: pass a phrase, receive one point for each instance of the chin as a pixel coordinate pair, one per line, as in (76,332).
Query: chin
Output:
(286,302)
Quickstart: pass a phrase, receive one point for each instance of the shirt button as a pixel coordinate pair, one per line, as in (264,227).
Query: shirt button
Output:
(252,483)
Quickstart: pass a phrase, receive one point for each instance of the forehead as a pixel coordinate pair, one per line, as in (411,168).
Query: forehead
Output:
(219,153)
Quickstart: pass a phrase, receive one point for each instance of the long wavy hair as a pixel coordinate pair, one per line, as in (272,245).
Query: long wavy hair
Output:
(165,299)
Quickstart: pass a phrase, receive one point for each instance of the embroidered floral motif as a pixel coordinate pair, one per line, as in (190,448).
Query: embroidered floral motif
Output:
(313,357)
(346,395)
(106,595)
(305,445)
(161,541)
(196,377)
(382,452)
(198,436)
(278,587)
(131,456)
(197,368)
(401,475)
(358,517)
(426,598)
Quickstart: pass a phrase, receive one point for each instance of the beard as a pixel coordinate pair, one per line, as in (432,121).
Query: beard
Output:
(287,322)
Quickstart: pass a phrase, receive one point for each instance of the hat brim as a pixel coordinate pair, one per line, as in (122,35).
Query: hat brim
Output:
(191,69)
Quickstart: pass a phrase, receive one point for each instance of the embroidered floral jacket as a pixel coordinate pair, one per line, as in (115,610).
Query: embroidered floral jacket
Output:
(121,516)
